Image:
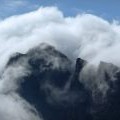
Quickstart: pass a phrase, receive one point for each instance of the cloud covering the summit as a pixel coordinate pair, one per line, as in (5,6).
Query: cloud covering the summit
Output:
(85,35)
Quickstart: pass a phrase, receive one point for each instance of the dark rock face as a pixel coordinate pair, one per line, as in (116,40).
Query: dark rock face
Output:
(110,109)
(54,88)
(109,106)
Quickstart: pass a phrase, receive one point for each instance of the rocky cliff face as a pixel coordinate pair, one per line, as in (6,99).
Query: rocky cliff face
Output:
(60,92)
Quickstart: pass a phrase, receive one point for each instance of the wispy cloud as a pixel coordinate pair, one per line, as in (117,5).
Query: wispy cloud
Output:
(15,3)
(11,7)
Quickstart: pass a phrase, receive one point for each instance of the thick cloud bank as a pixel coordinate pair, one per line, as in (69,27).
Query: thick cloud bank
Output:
(86,36)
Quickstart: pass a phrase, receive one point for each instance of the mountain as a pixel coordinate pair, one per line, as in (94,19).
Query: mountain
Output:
(60,92)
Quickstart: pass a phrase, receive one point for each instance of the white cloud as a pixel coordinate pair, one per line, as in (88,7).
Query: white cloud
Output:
(85,35)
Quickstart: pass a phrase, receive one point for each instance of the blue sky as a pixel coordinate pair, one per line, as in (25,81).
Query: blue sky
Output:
(108,9)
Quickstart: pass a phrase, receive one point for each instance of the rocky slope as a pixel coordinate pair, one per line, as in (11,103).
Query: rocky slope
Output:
(60,91)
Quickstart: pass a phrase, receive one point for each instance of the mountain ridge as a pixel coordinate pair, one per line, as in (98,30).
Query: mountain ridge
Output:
(54,87)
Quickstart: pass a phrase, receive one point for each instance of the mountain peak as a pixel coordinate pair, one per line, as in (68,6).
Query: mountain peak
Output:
(58,90)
